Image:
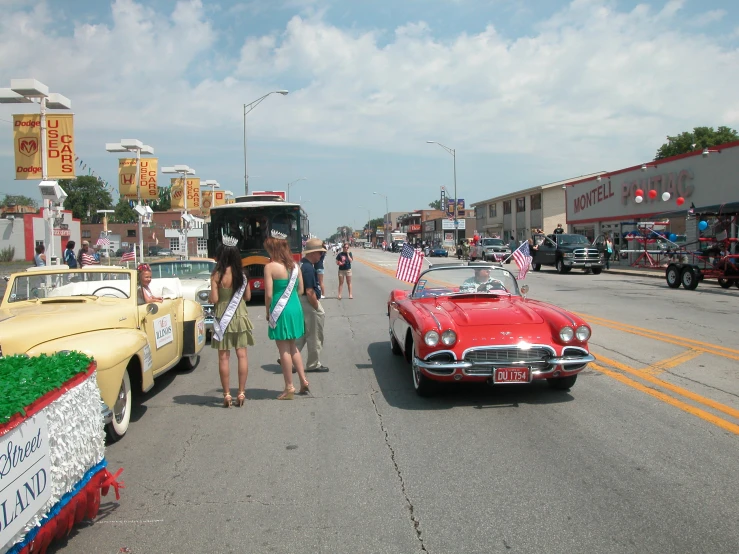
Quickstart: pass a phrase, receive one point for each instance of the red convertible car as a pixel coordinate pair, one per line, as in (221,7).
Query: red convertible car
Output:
(467,323)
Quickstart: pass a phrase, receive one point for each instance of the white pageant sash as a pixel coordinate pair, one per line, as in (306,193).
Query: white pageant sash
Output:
(282,302)
(219,326)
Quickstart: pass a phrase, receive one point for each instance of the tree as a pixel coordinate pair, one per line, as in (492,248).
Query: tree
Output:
(124,213)
(164,202)
(435,205)
(698,139)
(86,195)
(17,200)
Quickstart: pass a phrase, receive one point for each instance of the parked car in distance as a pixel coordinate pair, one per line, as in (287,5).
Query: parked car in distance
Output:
(566,252)
(438,252)
(472,323)
(96,310)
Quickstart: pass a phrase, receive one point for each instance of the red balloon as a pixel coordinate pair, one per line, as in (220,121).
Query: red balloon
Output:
(680,200)
(652,194)
(639,192)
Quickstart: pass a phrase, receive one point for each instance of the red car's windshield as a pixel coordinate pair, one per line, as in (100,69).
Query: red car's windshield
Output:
(458,280)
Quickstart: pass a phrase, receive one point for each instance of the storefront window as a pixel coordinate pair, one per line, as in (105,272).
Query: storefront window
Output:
(506,207)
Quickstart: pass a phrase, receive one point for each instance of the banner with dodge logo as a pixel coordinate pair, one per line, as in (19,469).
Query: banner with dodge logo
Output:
(193,193)
(147,178)
(60,159)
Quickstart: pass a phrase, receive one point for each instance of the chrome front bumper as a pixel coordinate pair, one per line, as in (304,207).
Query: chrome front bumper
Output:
(445,369)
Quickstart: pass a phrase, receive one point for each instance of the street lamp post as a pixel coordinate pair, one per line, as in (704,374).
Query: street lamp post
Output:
(248,108)
(183,170)
(133,145)
(26,91)
(453,152)
(386,217)
(291,184)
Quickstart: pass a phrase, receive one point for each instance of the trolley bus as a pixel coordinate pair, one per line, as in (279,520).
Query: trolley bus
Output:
(251,219)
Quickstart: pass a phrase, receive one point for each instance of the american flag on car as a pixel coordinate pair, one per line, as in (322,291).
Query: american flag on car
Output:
(129,256)
(409,264)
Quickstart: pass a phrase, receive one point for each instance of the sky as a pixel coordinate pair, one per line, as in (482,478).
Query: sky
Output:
(527,92)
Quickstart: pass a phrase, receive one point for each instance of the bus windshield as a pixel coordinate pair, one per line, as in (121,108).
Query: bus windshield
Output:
(252,224)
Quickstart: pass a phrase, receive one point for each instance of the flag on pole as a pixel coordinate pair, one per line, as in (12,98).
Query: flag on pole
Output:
(129,256)
(103,241)
(522,257)
(409,264)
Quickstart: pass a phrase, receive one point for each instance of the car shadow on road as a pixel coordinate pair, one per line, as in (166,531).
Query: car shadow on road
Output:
(394,378)
(139,400)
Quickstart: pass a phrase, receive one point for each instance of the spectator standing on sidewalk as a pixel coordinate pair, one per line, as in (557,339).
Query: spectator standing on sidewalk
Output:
(39,259)
(319,265)
(313,313)
(608,250)
(344,260)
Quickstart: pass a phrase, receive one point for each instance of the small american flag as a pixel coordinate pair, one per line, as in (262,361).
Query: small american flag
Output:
(103,241)
(523,258)
(409,264)
(129,256)
(88,259)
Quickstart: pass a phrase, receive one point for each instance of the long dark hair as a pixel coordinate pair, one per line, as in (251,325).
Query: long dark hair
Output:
(280,252)
(229,256)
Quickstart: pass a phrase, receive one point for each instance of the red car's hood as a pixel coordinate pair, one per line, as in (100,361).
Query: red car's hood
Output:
(471,311)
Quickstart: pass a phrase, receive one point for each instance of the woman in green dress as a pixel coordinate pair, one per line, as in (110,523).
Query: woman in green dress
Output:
(283,285)
(226,281)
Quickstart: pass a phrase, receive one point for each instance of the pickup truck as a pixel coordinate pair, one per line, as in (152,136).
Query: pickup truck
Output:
(566,252)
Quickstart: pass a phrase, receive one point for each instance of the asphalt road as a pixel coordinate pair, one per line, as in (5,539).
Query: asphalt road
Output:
(640,456)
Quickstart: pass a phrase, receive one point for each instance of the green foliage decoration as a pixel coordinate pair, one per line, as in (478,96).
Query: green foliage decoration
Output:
(24,380)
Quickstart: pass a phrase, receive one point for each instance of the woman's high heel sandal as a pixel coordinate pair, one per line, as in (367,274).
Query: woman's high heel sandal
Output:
(241,398)
(287,394)
(226,399)
(304,388)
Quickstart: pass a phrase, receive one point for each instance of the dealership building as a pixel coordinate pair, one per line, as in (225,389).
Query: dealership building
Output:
(705,179)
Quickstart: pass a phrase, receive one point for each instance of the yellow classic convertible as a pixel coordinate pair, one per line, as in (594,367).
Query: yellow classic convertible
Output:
(98,311)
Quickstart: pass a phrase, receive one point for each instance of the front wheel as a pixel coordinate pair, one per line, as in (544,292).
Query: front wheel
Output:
(597,270)
(725,283)
(188,363)
(422,384)
(672,276)
(121,411)
(562,383)
(561,267)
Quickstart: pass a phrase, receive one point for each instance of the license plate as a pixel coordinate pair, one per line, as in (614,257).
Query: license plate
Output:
(588,265)
(512,375)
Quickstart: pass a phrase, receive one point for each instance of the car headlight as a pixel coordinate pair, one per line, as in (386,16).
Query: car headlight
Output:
(566,334)
(569,255)
(203,295)
(431,338)
(582,333)
(449,337)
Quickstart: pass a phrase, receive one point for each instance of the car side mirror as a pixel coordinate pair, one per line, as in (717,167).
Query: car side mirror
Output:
(524,290)
(152,309)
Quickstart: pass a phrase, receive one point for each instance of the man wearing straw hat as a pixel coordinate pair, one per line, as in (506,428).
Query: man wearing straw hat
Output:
(312,309)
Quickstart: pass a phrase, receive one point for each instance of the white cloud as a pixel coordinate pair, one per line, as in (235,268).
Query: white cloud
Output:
(589,87)
(709,17)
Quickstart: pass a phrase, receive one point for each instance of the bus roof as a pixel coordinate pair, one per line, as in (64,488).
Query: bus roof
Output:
(256,204)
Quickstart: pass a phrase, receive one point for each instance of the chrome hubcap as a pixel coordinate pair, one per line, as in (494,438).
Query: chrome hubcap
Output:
(119,410)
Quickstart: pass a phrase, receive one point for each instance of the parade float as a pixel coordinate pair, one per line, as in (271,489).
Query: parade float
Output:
(52,449)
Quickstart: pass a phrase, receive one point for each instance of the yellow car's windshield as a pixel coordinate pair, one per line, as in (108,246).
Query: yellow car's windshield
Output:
(70,283)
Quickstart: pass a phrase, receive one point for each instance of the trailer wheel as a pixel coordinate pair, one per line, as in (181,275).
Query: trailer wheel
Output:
(689,278)
(725,283)
(672,275)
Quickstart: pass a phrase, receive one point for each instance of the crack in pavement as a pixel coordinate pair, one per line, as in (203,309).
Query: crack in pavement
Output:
(409,504)
(177,472)
(695,381)
(620,353)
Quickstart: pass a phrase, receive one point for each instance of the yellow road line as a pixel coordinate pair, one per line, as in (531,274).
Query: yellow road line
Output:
(673,388)
(674,361)
(707,347)
(704,415)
